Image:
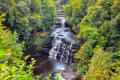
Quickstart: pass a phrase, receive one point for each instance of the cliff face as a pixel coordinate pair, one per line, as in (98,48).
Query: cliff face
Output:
(39,43)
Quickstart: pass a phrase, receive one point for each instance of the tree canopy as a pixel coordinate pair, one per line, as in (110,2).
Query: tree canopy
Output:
(98,23)
(25,16)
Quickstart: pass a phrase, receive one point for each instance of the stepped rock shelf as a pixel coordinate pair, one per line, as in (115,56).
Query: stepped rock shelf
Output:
(61,53)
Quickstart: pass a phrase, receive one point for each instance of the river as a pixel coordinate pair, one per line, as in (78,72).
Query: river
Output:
(60,55)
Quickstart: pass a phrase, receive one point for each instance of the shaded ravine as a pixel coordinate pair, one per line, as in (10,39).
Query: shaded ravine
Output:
(63,40)
(61,53)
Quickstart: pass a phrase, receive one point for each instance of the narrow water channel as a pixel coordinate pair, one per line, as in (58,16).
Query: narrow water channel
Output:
(60,49)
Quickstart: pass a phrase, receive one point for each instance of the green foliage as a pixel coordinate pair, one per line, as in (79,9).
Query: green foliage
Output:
(11,65)
(48,14)
(25,16)
(110,32)
(36,6)
(115,8)
(74,11)
(59,77)
(95,16)
(16,72)
(82,70)
(91,35)
(99,26)
(39,42)
(22,8)
(82,57)
(116,56)
(63,2)
(49,77)
(102,67)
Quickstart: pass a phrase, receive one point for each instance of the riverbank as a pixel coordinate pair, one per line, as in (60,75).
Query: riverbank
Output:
(60,54)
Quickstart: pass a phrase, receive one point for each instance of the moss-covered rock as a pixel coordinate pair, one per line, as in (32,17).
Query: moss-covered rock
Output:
(39,43)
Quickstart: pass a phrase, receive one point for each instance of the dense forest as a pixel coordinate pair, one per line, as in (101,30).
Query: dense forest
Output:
(98,22)
(25,26)
(18,20)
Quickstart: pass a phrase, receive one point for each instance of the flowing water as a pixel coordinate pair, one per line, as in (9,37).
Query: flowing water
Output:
(46,66)
(61,52)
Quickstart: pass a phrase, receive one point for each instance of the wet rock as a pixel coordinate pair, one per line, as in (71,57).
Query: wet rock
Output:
(46,45)
(66,42)
(57,23)
(60,35)
(66,29)
(56,26)
(76,46)
(69,73)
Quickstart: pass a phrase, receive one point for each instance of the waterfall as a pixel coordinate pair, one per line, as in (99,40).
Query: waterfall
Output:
(61,50)
(63,22)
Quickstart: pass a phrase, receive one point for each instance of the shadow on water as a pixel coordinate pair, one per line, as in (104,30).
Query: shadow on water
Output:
(46,66)
(60,49)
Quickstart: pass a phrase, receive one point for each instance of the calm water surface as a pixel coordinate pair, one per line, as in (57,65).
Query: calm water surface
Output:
(46,66)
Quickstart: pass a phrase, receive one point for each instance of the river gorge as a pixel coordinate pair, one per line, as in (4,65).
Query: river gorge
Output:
(61,55)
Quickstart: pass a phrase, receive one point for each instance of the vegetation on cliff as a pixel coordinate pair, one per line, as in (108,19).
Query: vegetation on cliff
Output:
(25,16)
(11,65)
(19,19)
(98,22)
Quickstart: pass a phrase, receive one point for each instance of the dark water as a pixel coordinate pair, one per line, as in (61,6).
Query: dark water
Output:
(46,66)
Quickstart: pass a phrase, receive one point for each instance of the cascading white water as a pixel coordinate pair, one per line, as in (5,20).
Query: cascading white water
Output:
(60,50)
(55,48)
(63,22)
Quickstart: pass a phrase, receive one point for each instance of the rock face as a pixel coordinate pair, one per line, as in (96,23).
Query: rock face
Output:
(46,45)
(39,44)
